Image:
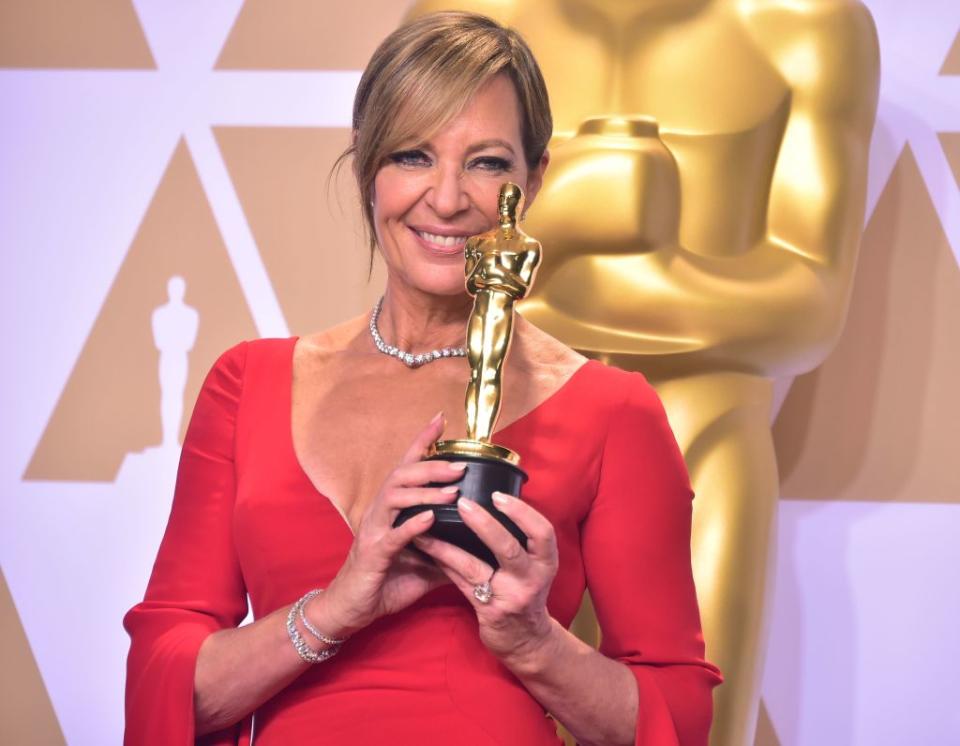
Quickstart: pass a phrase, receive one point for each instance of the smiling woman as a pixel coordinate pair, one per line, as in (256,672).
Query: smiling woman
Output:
(423,75)
(302,452)
(430,196)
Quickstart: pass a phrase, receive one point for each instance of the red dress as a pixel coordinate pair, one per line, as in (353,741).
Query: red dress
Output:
(604,468)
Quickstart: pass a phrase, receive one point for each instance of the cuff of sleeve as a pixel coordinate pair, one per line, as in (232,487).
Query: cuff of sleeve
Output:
(160,691)
(655,726)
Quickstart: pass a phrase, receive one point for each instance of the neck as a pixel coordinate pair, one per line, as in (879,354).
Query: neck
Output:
(417,322)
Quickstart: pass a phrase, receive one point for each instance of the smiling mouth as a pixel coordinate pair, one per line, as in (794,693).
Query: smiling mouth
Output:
(447,243)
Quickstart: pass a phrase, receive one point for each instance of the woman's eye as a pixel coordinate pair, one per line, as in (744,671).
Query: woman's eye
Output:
(410,158)
(492,163)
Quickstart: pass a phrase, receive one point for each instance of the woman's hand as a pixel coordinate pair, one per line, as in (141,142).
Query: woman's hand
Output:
(514,624)
(380,576)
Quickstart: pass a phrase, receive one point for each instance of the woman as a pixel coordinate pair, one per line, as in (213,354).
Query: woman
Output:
(301,452)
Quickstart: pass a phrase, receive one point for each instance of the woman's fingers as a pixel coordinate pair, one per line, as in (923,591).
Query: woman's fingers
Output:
(396,539)
(541,539)
(410,496)
(432,574)
(501,542)
(460,566)
(403,488)
(422,442)
(423,472)
(451,575)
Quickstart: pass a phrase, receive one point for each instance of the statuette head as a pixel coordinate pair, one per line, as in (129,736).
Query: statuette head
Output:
(511,201)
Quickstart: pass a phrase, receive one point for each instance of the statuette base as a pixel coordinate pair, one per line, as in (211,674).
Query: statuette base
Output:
(482,477)
(450,449)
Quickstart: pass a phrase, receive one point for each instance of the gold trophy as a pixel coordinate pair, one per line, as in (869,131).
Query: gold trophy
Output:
(500,266)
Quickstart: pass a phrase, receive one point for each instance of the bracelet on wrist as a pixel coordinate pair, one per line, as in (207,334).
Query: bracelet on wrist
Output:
(305,652)
(309,627)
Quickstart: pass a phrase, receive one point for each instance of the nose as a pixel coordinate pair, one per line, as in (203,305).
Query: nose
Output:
(447,195)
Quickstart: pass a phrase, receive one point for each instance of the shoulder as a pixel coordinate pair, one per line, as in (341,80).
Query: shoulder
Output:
(610,394)
(219,398)
(630,416)
(227,374)
(626,395)
(638,440)
(827,51)
(538,351)
(230,364)
(236,359)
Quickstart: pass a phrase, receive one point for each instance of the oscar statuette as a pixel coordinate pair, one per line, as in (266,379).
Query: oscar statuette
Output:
(500,266)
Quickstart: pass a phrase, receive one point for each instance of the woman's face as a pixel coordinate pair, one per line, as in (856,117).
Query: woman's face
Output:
(431,196)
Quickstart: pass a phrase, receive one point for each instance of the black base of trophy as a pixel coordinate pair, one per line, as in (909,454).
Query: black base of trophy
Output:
(481,478)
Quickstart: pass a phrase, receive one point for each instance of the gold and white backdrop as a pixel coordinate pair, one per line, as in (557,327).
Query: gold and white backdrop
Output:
(164,193)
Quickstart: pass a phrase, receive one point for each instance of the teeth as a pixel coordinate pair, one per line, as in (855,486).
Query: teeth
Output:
(446,241)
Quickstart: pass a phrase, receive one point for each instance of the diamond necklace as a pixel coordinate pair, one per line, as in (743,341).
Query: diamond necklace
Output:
(412,361)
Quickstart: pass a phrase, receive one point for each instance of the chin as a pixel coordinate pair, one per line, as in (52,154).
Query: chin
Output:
(447,290)
(440,281)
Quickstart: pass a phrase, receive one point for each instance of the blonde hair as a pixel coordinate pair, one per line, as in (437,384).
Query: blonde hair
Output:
(423,74)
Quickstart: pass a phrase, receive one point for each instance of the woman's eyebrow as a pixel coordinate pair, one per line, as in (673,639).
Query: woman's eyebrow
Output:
(494,143)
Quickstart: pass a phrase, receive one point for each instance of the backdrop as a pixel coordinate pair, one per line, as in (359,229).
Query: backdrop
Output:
(147,140)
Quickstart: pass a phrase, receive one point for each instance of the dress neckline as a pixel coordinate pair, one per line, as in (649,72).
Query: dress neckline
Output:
(548,401)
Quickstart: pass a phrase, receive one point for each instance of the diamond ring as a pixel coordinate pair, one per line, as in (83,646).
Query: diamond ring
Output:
(483,592)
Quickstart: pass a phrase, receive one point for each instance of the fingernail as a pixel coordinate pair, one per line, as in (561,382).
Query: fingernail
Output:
(451,489)
(501,499)
(465,504)
(437,417)
(458,465)
(425,516)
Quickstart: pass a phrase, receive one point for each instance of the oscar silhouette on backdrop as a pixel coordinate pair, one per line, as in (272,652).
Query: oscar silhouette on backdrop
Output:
(148,476)
(174,333)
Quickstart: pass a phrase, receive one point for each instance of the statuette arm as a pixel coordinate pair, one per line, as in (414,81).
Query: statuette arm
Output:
(528,267)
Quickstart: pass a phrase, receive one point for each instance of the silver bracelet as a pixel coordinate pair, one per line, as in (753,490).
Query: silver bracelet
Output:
(305,652)
(310,628)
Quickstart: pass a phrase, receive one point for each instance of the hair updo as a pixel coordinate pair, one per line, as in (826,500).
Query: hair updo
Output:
(424,74)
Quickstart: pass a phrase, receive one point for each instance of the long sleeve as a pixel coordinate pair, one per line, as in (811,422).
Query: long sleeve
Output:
(196,586)
(636,551)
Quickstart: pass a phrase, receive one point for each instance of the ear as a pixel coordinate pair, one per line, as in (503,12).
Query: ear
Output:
(535,180)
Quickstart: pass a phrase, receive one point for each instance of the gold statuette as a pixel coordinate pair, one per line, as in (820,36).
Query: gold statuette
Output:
(500,265)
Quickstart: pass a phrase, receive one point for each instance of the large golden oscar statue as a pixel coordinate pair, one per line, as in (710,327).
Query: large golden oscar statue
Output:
(702,210)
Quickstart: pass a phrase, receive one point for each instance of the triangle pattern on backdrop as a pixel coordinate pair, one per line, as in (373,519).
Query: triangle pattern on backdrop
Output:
(950,142)
(766,734)
(306,222)
(307,35)
(951,65)
(110,405)
(104,34)
(880,418)
(26,713)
